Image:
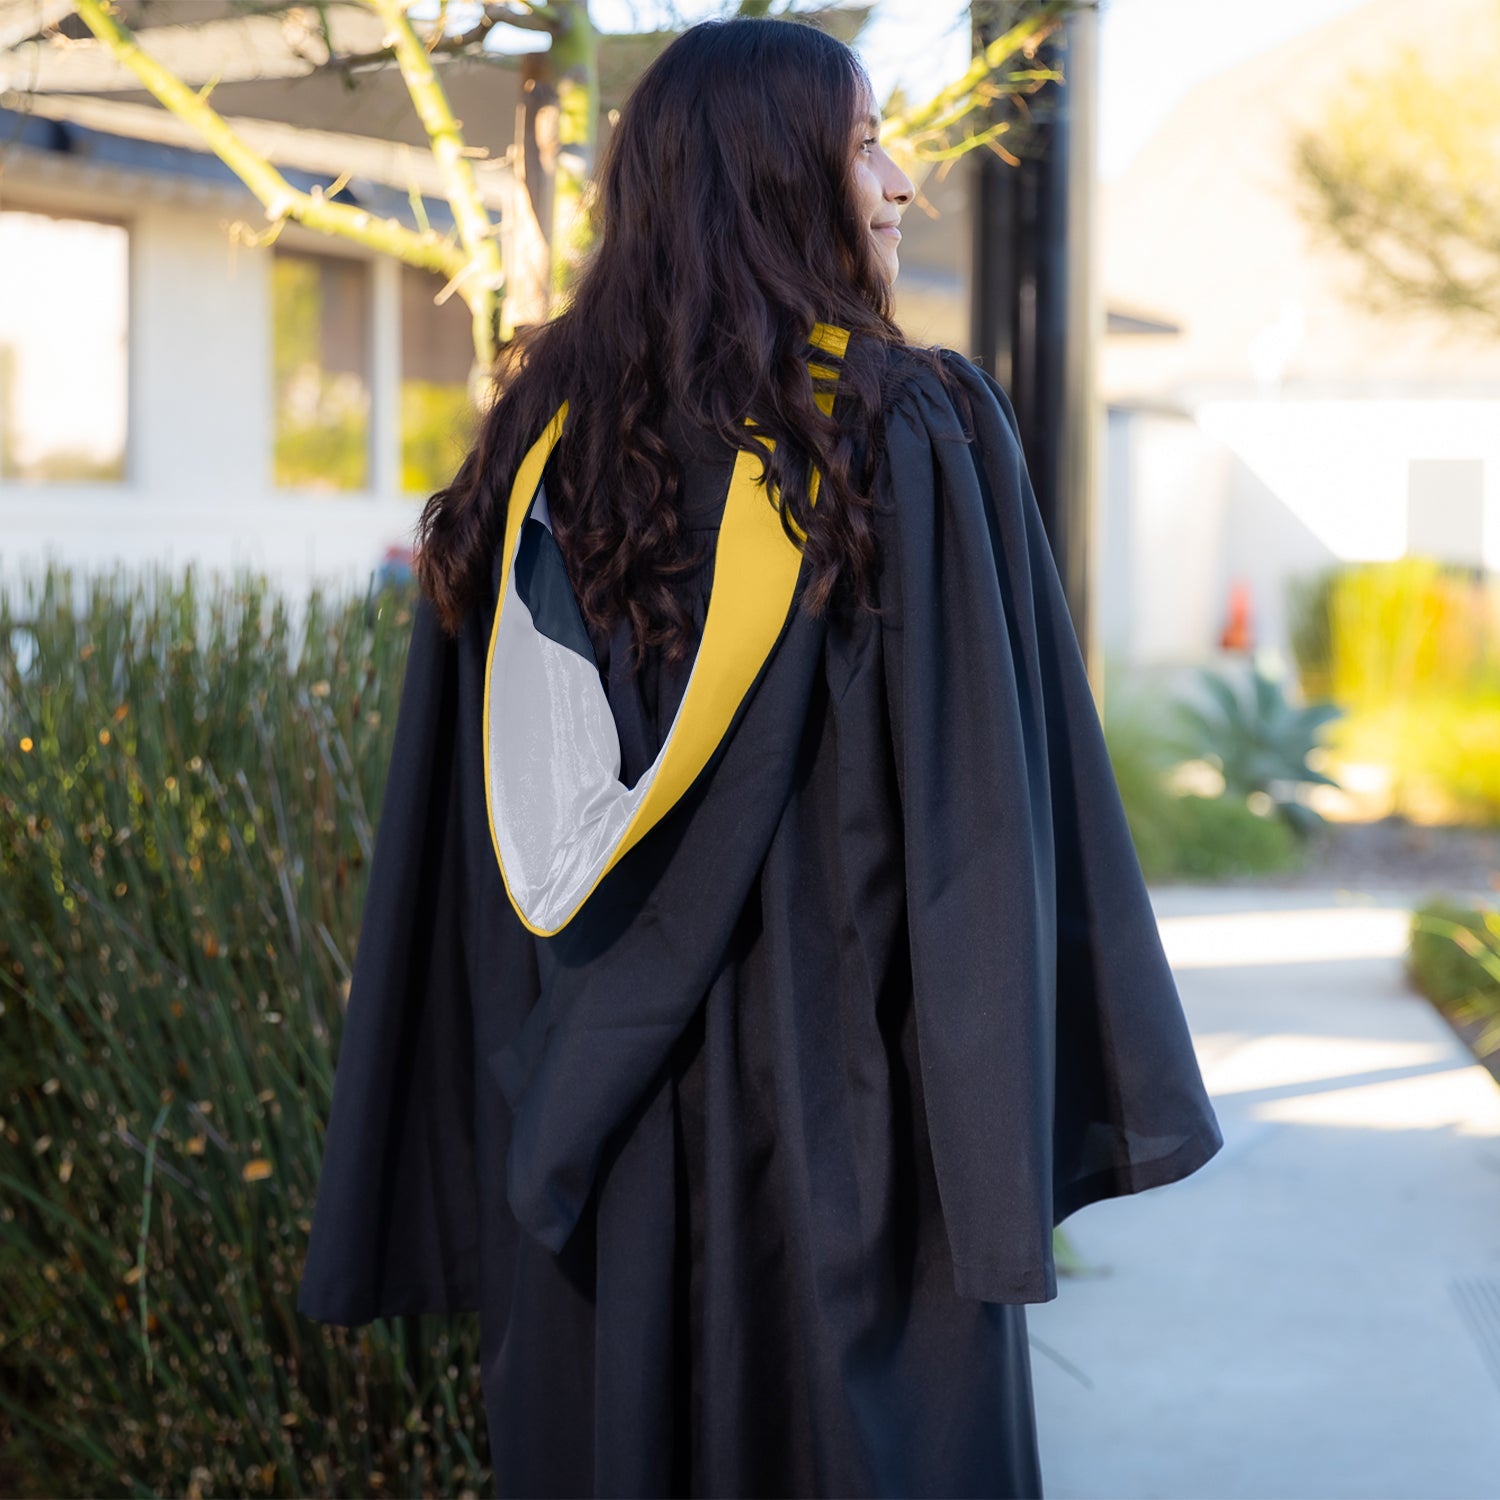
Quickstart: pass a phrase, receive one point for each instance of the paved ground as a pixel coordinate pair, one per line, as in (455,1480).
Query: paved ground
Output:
(1316,1312)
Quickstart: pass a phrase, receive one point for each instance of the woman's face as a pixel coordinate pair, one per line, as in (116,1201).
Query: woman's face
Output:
(881,189)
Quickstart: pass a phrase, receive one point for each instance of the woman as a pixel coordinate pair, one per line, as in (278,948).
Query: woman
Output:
(756,965)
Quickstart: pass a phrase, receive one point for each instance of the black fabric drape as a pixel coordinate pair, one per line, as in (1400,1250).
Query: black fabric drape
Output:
(750,1170)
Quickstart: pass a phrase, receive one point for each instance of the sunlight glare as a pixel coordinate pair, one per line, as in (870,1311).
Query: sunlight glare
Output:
(1237,939)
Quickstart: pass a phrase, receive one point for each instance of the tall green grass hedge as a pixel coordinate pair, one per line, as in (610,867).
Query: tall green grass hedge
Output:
(189,781)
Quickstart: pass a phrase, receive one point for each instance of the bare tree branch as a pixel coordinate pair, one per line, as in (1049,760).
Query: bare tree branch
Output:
(466,43)
(20,20)
(279,198)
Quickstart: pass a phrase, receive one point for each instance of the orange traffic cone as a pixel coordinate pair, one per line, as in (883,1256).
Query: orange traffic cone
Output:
(1238,634)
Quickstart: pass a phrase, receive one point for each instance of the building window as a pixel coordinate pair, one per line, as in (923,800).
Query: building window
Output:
(438,426)
(64,300)
(321,364)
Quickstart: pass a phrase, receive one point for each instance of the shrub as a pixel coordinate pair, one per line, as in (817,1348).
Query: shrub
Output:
(1411,650)
(1369,632)
(1184,836)
(1220,836)
(188,789)
(1453,958)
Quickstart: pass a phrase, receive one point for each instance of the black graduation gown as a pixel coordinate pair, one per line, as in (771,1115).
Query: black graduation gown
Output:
(750,1169)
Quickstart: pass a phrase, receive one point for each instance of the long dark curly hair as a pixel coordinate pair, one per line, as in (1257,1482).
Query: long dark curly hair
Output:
(725,228)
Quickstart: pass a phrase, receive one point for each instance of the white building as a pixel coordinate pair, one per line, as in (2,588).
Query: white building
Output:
(1284,427)
(171,390)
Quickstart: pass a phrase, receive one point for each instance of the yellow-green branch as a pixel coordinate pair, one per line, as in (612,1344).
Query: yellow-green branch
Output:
(967,92)
(280,199)
(575,61)
(486,277)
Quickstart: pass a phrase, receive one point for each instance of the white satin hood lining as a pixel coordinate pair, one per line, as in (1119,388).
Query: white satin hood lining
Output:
(559,805)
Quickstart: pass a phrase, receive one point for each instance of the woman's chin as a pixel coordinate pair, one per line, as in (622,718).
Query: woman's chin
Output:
(886,258)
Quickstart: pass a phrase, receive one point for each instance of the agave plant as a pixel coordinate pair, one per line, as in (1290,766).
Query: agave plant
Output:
(1259,741)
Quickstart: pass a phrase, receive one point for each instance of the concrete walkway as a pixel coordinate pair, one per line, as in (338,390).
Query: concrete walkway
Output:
(1317,1311)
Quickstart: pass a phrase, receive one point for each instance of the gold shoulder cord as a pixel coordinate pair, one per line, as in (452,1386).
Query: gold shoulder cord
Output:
(755,572)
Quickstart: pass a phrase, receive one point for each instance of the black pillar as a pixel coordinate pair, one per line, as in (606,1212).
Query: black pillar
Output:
(1035,316)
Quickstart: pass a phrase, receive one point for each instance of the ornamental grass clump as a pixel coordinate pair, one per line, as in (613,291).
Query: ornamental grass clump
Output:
(1453,958)
(189,787)
(1410,649)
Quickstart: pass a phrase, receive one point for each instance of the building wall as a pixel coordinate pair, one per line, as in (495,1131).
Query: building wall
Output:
(200,428)
(1166,501)
(1269,490)
(1113,564)
(199,483)
(1343,432)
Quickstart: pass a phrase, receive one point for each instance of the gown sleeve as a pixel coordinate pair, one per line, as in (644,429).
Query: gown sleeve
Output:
(1056,1060)
(396,1224)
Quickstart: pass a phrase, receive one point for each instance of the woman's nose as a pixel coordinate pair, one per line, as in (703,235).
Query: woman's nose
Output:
(900,188)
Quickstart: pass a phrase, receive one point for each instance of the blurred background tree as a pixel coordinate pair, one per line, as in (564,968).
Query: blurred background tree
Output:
(1405,174)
